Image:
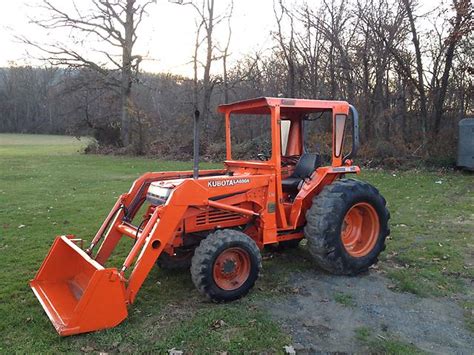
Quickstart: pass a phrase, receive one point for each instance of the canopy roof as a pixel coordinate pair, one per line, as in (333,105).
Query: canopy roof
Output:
(262,105)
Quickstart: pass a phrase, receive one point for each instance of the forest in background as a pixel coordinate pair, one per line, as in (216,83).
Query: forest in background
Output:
(410,75)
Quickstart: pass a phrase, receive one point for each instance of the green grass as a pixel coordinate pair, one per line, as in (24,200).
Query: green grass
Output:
(225,328)
(468,307)
(384,344)
(47,188)
(432,228)
(345,299)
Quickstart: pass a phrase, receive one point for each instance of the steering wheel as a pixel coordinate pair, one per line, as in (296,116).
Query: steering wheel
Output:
(263,156)
(289,160)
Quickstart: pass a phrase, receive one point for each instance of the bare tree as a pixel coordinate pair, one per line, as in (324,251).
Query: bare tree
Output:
(309,47)
(410,82)
(287,45)
(226,54)
(462,25)
(208,20)
(111,22)
(420,85)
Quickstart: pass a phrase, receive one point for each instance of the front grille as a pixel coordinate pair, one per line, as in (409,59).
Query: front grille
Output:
(216,216)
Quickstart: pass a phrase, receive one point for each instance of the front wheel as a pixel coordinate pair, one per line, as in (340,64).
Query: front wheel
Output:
(226,265)
(346,227)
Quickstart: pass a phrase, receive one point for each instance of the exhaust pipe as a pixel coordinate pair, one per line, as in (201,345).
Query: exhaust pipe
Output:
(196,145)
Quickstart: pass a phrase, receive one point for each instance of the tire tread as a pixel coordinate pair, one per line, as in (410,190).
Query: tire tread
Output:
(323,221)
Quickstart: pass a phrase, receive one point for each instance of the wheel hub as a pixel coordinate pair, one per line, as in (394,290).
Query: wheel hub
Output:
(360,229)
(231,268)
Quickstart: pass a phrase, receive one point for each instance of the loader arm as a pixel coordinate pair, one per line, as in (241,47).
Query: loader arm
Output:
(80,294)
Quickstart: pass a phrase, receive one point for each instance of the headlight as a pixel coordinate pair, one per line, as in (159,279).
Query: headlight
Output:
(157,195)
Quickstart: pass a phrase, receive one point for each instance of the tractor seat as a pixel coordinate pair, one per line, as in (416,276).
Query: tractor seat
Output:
(303,169)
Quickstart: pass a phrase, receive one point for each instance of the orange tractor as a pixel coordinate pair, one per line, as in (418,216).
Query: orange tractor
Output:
(217,221)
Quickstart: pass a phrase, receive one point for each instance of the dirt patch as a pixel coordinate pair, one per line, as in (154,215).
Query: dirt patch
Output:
(329,311)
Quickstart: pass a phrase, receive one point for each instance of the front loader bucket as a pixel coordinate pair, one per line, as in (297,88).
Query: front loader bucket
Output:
(77,293)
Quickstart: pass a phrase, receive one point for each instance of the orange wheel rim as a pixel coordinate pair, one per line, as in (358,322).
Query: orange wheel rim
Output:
(231,269)
(360,229)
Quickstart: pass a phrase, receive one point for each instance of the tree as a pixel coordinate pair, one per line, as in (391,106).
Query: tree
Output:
(287,45)
(113,22)
(207,20)
(462,25)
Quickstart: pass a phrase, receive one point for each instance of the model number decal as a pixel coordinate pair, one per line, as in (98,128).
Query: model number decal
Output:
(343,169)
(222,183)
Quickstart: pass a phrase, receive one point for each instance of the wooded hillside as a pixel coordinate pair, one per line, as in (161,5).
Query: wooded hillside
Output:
(409,73)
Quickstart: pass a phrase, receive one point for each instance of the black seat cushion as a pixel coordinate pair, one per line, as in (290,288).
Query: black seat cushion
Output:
(303,169)
(290,183)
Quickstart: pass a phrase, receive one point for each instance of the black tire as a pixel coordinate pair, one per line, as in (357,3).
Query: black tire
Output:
(180,261)
(324,223)
(206,254)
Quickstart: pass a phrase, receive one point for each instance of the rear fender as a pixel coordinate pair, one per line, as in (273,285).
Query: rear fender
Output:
(319,179)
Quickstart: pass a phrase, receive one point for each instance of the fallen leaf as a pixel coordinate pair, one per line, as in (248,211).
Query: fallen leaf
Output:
(218,324)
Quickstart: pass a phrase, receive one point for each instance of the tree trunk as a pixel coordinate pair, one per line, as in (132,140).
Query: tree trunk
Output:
(207,70)
(453,39)
(419,70)
(126,75)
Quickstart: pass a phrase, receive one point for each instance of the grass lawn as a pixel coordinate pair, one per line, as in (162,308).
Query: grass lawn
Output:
(47,188)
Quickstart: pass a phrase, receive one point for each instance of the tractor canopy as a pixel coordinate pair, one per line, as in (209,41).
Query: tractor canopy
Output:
(295,111)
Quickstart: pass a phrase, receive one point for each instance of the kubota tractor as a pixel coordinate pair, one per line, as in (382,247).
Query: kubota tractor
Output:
(217,221)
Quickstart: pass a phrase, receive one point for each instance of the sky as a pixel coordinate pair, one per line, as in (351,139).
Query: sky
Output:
(166,36)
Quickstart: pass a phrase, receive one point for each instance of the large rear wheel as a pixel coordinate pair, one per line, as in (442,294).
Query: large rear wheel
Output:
(346,227)
(226,265)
